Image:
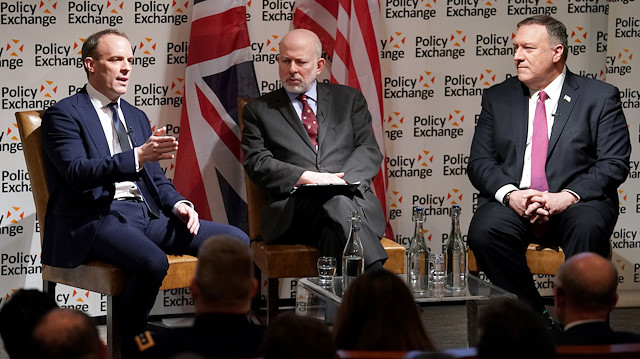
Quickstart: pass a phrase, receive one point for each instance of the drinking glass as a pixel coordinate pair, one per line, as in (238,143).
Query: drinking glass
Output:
(326,270)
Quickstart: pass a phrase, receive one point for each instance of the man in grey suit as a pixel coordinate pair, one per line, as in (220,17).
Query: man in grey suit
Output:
(563,193)
(280,156)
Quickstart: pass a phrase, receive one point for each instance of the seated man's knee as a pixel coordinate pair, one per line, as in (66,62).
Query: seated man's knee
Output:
(208,229)
(341,201)
(154,267)
(479,233)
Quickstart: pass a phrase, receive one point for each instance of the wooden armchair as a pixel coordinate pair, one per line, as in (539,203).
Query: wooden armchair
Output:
(276,261)
(94,276)
(541,260)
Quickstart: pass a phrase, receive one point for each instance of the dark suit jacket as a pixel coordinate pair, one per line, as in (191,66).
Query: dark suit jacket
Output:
(593,334)
(212,335)
(81,174)
(589,147)
(277,150)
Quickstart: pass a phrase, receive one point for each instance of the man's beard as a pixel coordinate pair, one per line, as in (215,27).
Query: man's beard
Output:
(301,88)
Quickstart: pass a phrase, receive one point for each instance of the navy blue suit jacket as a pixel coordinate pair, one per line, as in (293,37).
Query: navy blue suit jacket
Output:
(589,147)
(81,174)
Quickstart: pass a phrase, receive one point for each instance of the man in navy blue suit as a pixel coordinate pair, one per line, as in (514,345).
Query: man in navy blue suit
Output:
(562,193)
(110,200)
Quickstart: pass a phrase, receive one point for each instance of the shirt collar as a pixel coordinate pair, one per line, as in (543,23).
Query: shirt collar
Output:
(580,322)
(554,88)
(311,93)
(98,99)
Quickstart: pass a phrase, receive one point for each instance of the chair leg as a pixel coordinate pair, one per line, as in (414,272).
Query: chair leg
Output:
(273,297)
(114,328)
(49,287)
(256,301)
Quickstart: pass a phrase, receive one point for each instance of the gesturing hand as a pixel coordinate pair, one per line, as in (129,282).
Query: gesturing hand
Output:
(158,147)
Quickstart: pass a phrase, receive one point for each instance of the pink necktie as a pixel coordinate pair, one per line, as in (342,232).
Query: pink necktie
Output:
(539,146)
(309,120)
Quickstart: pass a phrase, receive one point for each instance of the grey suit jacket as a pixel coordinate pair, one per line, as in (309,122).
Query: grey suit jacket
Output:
(277,150)
(589,147)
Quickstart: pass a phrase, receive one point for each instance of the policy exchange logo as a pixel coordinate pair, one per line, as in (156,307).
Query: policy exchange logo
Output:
(392,126)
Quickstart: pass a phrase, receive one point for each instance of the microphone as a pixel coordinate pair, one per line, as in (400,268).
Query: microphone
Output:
(129,134)
(556,114)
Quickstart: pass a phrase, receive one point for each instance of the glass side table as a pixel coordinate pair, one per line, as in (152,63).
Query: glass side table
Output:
(322,301)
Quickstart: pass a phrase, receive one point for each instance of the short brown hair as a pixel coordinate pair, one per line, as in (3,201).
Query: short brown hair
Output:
(224,275)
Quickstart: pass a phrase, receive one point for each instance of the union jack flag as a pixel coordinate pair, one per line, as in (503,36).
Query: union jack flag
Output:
(219,70)
(348,30)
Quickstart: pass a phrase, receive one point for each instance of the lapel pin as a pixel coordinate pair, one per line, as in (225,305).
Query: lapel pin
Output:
(567,98)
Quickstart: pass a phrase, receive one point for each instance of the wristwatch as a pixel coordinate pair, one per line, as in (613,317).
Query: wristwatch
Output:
(505,199)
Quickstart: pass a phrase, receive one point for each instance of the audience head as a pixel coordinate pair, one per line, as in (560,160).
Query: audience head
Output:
(300,60)
(224,281)
(511,329)
(367,321)
(585,288)
(67,334)
(297,337)
(18,317)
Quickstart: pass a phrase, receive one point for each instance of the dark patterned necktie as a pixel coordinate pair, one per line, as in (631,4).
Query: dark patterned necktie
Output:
(309,120)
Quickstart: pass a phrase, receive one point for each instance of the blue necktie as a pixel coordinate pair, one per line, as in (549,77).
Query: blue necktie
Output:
(120,130)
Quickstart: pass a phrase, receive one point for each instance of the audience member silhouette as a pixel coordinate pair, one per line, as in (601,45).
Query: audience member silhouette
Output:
(222,289)
(298,337)
(18,317)
(379,313)
(585,294)
(512,329)
(67,334)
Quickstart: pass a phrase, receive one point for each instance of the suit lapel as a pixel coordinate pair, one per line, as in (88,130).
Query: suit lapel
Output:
(520,120)
(133,123)
(283,104)
(91,121)
(568,98)
(324,112)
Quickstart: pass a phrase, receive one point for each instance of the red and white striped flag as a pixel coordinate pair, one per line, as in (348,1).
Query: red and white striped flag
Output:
(348,30)
(219,69)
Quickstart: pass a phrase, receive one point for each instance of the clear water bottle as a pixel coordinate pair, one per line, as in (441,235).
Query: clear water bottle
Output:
(418,256)
(353,254)
(456,255)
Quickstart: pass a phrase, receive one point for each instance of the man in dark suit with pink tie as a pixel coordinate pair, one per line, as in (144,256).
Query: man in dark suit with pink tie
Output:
(110,200)
(549,151)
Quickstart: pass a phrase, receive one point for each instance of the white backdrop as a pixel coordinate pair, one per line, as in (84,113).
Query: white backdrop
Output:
(437,58)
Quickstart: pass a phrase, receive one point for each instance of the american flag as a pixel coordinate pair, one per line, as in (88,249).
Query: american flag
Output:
(348,30)
(219,70)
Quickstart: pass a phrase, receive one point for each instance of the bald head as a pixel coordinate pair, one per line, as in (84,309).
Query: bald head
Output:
(588,282)
(300,60)
(302,38)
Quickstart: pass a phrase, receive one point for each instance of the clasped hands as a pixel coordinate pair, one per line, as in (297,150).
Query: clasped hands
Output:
(538,206)
(157,147)
(310,177)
